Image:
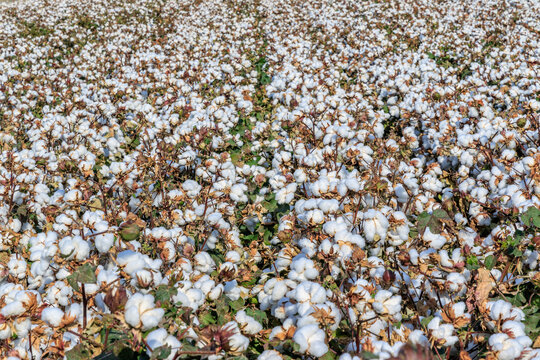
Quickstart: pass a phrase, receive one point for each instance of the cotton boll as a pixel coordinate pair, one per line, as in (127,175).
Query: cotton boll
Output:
(104,242)
(160,337)
(247,324)
(204,263)
(442,332)
(238,193)
(216,292)
(501,310)
(386,303)
(308,291)
(505,347)
(52,316)
(375,226)
(302,268)
(418,337)
(435,241)
(312,340)
(21,326)
(237,342)
(270,355)
(140,311)
(17,267)
(73,196)
(5,331)
(14,308)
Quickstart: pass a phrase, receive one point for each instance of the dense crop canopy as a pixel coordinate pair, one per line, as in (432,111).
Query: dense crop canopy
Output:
(270,179)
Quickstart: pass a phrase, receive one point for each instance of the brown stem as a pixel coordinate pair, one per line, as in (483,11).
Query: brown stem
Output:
(84,301)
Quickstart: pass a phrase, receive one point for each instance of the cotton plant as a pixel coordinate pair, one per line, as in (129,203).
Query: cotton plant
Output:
(254,178)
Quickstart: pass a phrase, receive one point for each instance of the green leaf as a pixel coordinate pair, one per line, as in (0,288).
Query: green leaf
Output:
(207,319)
(237,304)
(328,356)
(531,217)
(434,221)
(130,232)
(161,353)
(489,262)
(258,315)
(79,352)
(368,355)
(425,321)
(84,274)
(165,293)
(472,263)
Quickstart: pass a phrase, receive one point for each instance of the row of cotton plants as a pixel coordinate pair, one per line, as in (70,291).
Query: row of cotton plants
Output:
(269,179)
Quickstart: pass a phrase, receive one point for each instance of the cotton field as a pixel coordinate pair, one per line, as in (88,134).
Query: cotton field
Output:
(270,179)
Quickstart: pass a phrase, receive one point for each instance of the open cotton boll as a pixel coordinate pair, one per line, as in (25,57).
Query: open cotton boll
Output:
(435,241)
(302,268)
(14,308)
(308,291)
(375,225)
(160,337)
(286,195)
(247,324)
(418,337)
(104,242)
(270,355)
(73,195)
(501,310)
(238,343)
(52,316)
(17,267)
(442,332)
(204,262)
(505,347)
(140,311)
(387,303)
(311,339)
(5,331)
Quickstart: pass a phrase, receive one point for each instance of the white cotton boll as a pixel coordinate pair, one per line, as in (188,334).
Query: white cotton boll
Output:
(302,268)
(160,337)
(501,309)
(232,256)
(238,193)
(14,308)
(140,311)
(418,337)
(308,291)
(505,347)
(514,328)
(311,340)
(5,332)
(315,216)
(270,355)
(300,176)
(436,241)
(216,292)
(52,316)
(104,242)
(375,225)
(17,267)
(442,332)
(385,303)
(22,326)
(279,291)
(204,262)
(237,342)
(247,324)
(15,225)
(73,196)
